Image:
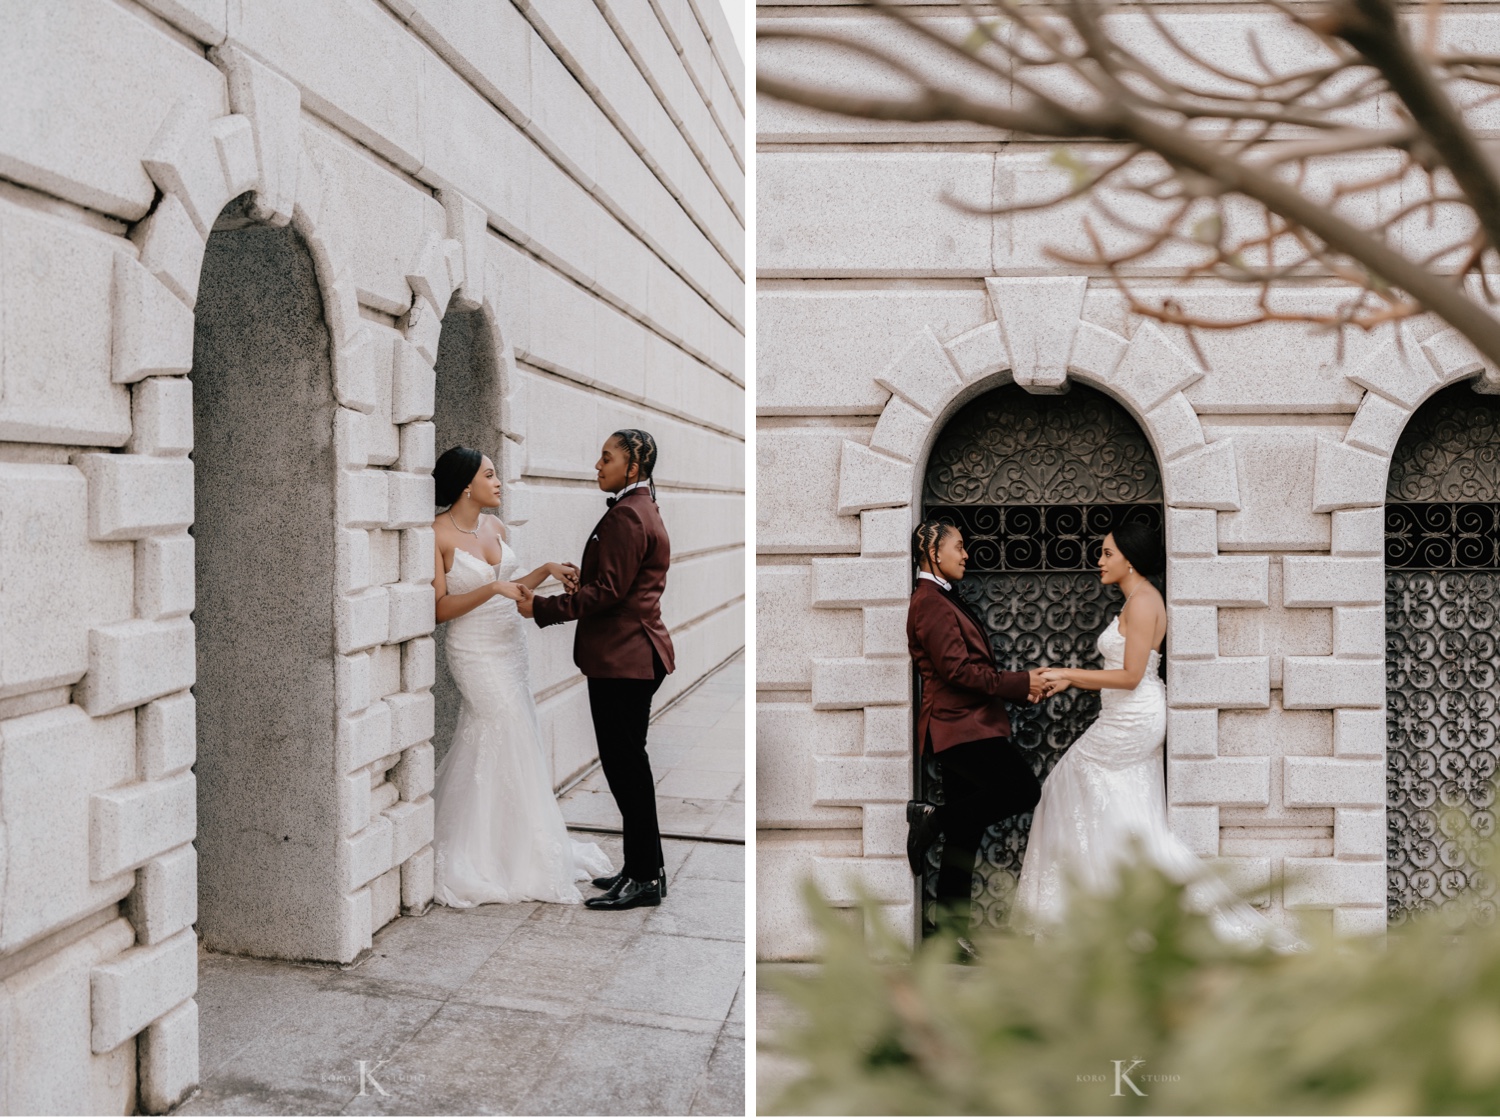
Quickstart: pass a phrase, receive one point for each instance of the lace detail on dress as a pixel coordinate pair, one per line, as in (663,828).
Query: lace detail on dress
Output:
(1107,790)
(499,834)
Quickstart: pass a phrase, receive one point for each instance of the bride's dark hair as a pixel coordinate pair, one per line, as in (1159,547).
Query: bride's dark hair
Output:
(1142,547)
(453,471)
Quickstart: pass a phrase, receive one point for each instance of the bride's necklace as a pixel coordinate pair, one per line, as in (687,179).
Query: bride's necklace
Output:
(474,531)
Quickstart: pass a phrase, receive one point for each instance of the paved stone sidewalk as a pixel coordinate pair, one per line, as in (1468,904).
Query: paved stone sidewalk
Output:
(529,1009)
(697,752)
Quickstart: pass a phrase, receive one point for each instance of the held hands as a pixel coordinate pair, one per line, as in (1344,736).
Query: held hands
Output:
(512,590)
(1055,681)
(526,604)
(1035,687)
(565,573)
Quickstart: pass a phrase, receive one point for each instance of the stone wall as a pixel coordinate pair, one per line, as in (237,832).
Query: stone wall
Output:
(235,241)
(881,311)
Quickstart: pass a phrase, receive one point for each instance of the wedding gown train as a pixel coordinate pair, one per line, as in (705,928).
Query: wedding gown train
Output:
(499,834)
(1105,798)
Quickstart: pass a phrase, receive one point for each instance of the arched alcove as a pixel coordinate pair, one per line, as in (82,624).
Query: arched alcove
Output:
(466,413)
(1035,482)
(1442,555)
(264,470)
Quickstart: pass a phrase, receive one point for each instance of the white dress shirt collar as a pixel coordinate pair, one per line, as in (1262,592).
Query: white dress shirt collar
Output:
(633,485)
(943,582)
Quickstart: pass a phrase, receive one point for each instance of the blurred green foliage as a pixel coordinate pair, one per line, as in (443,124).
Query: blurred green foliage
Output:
(1408,1024)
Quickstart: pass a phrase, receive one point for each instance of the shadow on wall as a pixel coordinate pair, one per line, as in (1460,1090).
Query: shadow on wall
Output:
(263,412)
(466,413)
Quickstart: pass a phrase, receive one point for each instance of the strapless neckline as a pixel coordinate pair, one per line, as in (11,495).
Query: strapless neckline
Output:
(457,551)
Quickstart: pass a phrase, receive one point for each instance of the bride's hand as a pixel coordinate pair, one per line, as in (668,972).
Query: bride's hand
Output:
(565,573)
(1054,682)
(512,590)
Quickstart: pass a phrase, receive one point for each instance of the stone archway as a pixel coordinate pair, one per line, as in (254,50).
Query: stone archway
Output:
(1442,559)
(1035,481)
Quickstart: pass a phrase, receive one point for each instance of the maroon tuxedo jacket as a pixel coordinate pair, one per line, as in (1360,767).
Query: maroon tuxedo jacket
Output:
(618,601)
(961,688)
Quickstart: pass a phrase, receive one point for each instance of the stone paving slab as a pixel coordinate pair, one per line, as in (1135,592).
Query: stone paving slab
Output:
(528,1008)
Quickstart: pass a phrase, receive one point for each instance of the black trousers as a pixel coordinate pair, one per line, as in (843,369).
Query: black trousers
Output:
(984,782)
(621,709)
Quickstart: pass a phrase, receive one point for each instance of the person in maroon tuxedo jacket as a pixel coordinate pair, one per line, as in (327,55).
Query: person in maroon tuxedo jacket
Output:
(625,652)
(962,721)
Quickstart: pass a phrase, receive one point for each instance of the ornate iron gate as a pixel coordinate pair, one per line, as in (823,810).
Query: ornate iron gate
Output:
(1035,482)
(1442,555)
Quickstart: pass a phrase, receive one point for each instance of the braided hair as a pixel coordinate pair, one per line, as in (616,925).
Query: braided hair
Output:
(926,540)
(640,451)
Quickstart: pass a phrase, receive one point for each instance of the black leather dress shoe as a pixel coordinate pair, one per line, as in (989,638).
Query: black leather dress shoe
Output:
(609,882)
(921,833)
(629,894)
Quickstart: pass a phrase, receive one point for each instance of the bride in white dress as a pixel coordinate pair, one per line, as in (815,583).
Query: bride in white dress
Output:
(1106,797)
(499,835)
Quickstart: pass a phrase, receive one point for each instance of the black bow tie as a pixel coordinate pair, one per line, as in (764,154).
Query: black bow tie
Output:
(609,502)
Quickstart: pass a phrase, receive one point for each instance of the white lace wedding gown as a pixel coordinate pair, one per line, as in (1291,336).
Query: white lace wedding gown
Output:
(499,834)
(1108,789)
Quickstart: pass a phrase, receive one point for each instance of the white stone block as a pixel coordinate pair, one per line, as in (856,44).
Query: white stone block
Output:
(411,500)
(1224,780)
(411,827)
(1319,682)
(1359,532)
(421,327)
(1313,581)
(351,439)
(1377,425)
(353,682)
(884,831)
(1228,682)
(1174,428)
(1397,372)
(885,533)
(845,583)
(360,620)
(134,495)
(854,781)
(1345,477)
(847,881)
(172,248)
(165,898)
(133,662)
(152,327)
(418,556)
(1359,733)
(183,160)
(130,992)
(844,683)
(367,855)
(1192,632)
(418,664)
(1452,356)
(1038,319)
(1363,920)
(413,774)
(1359,832)
(166,736)
(922,376)
(363,498)
(979,352)
(1359,632)
(885,631)
(412,611)
(783,605)
(418,450)
(358,365)
(869,481)
(1228,580)
(168,1054)
(164,577)
(411,719)
(468,225)
(1153,369)
(274,108)
(234,139)
(1249,877)
(888,731)
(204,20)
(1192,733)
(134,823)
(427,276)
(1197,827)
(1192,533)
(1204,479)
(1097,353)
(161,417)
(1327,883)
(351,557)
(413,384)
(902,431)
(1332,782)
(417,881)
(364,738)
